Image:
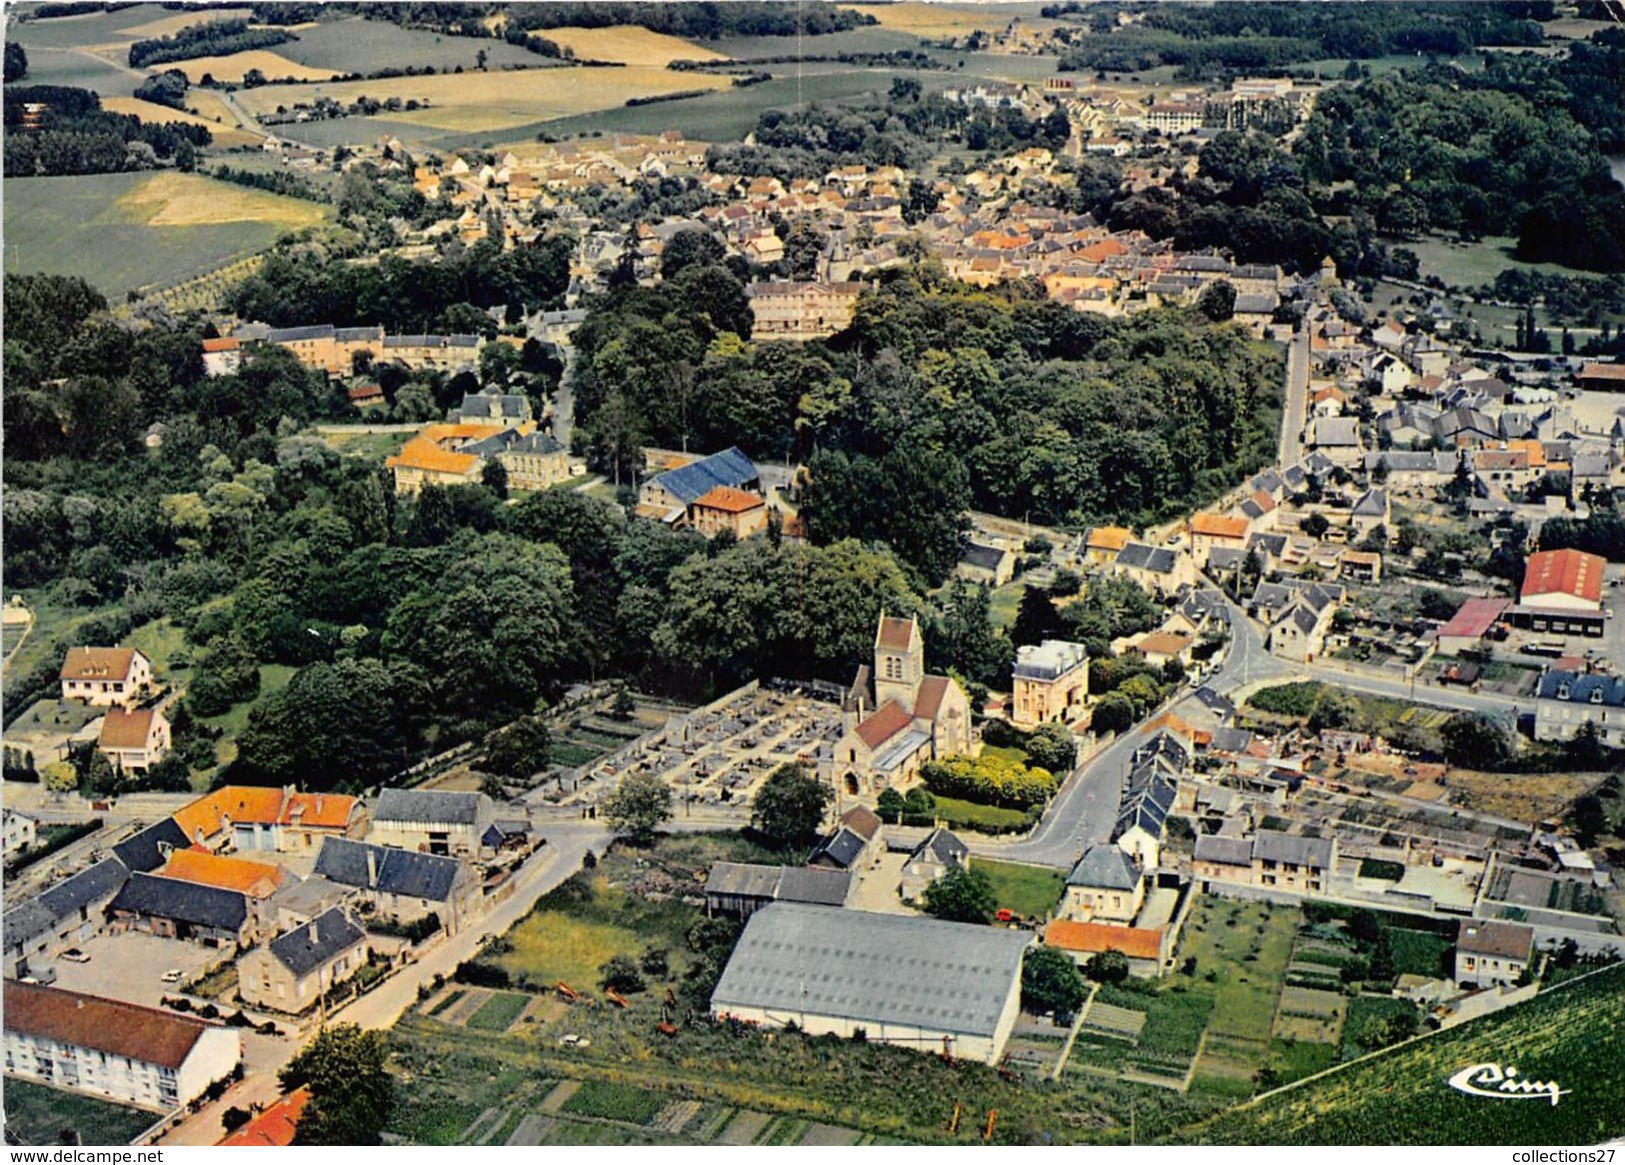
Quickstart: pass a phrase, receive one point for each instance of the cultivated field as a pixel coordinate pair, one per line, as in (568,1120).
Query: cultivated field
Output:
(224,135)
(232,67)
(491,101)
(170,25)
(942,19)
(75,226)
(1574,1036)
(630,45)
(78,70)
(171,199)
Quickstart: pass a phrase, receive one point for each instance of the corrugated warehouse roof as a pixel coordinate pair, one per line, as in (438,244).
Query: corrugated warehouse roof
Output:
(873,968)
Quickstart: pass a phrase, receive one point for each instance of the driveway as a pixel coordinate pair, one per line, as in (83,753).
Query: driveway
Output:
(131,966)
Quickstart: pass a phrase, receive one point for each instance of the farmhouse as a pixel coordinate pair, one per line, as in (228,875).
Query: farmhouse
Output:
(1049,682)
(1157,569)
(856,839)
(1271,859)
(916,717)
(431,822)
(1491,953)
(1210,532)
(1107,884)
(202,868)
(939,853)
(991,566)
(63,915)
(250,818)
(170,908)
(403,887)
(292,971)
(133,1055)
(440,455)
(741,889)
(222,356)
(1104,543)
(725,508)
(134,741)
(20,831)
(103,676)
(917,982)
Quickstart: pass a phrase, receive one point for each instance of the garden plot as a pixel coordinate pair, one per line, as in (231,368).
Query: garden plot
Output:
(1310,1015)
(1115,1022)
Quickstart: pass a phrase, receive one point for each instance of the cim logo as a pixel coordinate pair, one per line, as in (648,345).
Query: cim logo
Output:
(1500,1083)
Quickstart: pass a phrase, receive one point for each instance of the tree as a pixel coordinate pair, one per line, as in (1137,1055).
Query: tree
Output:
(1476,741)
(1590,819)
(522,748)
(1217,301)
(1315,525)
(59,777)
(235,1118)
(889,805)
(620,973)
(17,62)
(638,806)
(494,477)
(961,895)
(1050,746)
(1108,967)
(1114,713)
(789,807)
(1050,982)
(351,1091)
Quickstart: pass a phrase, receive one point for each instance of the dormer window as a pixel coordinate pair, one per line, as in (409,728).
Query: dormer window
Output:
(1563,691)
(1596,695)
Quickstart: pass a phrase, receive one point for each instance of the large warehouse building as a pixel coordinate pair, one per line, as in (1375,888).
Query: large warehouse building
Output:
(918,982)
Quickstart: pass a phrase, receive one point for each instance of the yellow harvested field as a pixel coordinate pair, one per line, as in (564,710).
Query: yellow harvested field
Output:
(474,102)
(170,25)
(1522,798)
(233,66)
(155,114)
(629,44)
(183,200)
(211,108)
(935,19)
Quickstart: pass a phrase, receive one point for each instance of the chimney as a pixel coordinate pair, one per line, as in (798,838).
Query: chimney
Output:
(314,937)
(372,868)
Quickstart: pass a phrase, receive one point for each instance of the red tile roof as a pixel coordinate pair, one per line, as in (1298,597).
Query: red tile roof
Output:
(895,634)
(223,344)
(928,702)
(884,724)
(123,729)
(861,821)
(275,1126)
(1567,572)
(1218,526)
(98,663)
(256,879)
(728,500)
(1603,372)
(1474,619)
(1095,937)
(103,1025)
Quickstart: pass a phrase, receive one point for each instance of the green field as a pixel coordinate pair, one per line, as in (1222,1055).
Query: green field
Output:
(70,226)
(356,45)
(63,66)
(37,1115)
(1031,891)
(1574,1035)
(609,1101)
(957,814)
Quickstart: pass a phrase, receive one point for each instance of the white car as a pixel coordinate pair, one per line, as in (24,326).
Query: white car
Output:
(75,955)
(174,975)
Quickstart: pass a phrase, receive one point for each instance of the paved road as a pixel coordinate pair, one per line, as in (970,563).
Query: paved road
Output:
(551,865)
(1296,406)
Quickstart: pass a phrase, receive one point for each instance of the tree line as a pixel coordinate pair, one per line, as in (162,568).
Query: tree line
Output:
(70,133)
(213,39)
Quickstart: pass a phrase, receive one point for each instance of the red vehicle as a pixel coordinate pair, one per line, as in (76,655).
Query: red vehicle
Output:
(1006,916)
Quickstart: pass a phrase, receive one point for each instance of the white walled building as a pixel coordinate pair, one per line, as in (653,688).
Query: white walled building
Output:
(130,1054)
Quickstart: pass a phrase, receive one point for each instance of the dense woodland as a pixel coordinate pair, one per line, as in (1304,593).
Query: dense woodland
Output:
(212,39)
(418,623)
(938,398)
(75,135)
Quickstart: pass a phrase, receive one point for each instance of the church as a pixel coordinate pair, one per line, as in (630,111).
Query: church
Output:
(897,716)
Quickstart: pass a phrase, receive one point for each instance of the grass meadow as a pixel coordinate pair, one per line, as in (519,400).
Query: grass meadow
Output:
(1031,891)
(38,1115)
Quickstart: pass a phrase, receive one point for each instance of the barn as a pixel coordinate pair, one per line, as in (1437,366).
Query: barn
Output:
(917,982)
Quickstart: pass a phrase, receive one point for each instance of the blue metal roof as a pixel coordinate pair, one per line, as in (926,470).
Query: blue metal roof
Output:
(689,483)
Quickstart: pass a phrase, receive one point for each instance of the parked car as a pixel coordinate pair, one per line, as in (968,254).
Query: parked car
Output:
(174,975)
(75,955)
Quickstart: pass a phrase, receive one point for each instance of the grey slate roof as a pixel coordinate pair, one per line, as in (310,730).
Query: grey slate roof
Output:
(429,877)
(841,848)
(1230,740)
(1105,867)
(796,960)
(1225,851)
(1256,305)
(311,332)
(689,483)
(983,557)
(317,943)
(942,847)
(1147,803)
(1269,846)
(427,805)
(1576,688)
(779,883)
(142,852)
(150,895)
(39,915)
(1158,559)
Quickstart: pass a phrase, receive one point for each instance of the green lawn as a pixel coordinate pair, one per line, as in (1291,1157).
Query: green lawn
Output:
(1031,891)
(1365,1010)
(37,1115)
(1004,604)
(1419,952)
(70,226)
(497,1013)
(160,641)
(957,814)
(610,1101)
